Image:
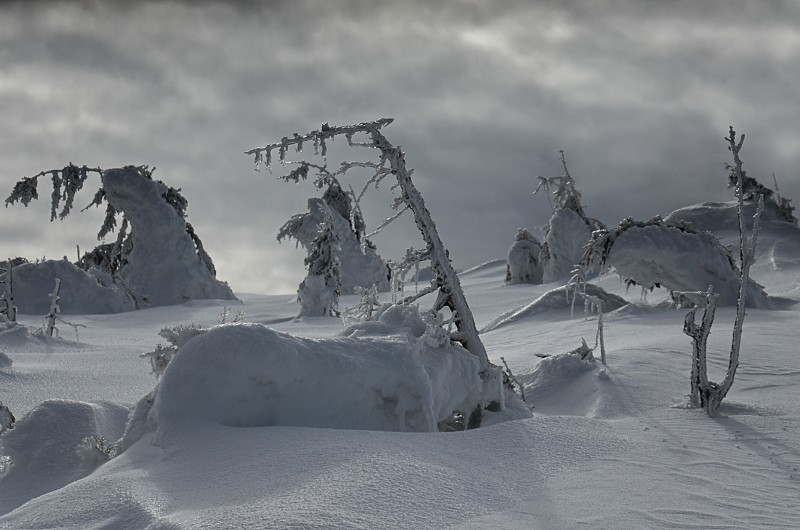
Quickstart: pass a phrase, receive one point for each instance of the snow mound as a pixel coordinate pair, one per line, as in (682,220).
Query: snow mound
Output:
(163,266)
(45,447)
(564,384)
(380,375)
(5,361)
(557,299)
(82,292)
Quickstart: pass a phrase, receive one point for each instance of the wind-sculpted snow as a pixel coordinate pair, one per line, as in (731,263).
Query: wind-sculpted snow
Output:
(557,299)
(44,448)
(163,265)
(383,375)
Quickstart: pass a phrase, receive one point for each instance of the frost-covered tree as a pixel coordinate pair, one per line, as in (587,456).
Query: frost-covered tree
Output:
(705,393)
(318,293)
(52,315)
(156,259)
(450,307)
(675,256)
(523,264)
(569,229)
(7,419)
(752,191)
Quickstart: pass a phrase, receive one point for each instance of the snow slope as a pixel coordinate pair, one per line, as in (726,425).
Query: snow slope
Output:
(606,447)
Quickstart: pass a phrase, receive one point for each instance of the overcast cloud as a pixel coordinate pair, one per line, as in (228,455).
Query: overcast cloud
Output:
(484,94)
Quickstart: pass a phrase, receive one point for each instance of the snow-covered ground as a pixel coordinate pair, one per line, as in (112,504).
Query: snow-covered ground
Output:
(610,446)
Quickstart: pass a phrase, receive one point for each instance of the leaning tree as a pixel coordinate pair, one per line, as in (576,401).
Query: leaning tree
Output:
(390,163)
(156,256)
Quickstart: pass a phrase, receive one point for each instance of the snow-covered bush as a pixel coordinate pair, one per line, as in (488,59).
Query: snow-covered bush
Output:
(523,259)
(366,308)
(160,261)
(8,309)
(674,256)
(177,337)
(569,229)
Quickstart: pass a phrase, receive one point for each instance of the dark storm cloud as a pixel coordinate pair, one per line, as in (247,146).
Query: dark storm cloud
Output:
(485,94)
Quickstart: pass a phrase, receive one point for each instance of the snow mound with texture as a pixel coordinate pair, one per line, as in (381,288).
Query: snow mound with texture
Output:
(382,375)
(81,292)
(46,450)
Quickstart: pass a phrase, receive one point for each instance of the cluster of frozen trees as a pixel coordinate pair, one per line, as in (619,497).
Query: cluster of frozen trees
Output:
(568,231)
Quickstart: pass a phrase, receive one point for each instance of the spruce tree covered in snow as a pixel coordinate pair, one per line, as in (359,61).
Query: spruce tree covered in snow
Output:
(450,307)
(569,230)
(523,264)
(705,393)
(156,259)
(318,293)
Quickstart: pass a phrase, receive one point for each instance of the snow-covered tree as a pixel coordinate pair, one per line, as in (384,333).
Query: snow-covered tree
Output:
(52,315)
(7,419)
(705,393)
(655,253)
(450,306)
(318,293)
(752,190)
(523,264)
(569,229)
(156,259)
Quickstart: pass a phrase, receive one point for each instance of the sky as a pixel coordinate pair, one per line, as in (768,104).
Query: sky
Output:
(639,94)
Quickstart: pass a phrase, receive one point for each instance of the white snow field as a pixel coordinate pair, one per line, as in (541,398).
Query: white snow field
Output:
(612,446)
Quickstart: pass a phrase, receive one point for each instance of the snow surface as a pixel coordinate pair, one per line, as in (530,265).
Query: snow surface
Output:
(612,446)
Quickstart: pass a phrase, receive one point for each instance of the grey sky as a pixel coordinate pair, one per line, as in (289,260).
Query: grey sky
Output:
(484,94)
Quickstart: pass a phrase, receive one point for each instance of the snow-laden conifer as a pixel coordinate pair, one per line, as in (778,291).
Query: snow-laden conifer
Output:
(523,264)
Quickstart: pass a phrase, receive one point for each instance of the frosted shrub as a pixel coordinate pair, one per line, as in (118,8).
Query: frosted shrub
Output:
(162,355)
(366,308)
(9,309)
(95,450)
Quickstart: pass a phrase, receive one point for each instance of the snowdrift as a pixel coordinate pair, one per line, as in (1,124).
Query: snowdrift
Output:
(82,292)
(557,299)
(47,450)
(384,375)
